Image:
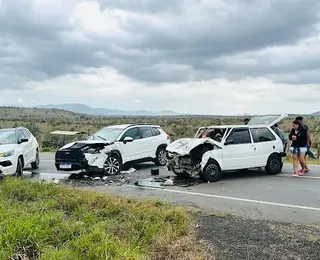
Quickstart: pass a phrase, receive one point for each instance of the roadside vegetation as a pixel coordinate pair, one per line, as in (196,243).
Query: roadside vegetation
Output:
(47,221)
(42,121)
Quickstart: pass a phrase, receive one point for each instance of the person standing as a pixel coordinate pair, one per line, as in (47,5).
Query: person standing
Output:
(300,118)
(299,138)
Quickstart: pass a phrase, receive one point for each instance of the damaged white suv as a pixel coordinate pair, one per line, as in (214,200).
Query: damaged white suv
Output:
(112,148)
(216,149)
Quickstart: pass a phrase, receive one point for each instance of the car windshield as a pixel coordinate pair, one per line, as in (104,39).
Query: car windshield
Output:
(8,137)
(213,133)
(106,134)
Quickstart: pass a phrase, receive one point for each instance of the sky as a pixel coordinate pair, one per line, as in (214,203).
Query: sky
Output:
(190,56)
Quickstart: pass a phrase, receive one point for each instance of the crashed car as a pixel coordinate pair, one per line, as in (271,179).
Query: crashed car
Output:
(216,149)
(113,148)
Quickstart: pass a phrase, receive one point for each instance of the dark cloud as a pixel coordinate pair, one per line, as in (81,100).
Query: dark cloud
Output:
(170,41)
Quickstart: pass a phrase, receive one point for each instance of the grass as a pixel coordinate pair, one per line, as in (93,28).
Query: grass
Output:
(288,159)
(47,221)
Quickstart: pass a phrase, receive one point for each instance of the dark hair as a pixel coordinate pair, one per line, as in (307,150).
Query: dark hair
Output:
(276,125)
(297,122)
(300,118)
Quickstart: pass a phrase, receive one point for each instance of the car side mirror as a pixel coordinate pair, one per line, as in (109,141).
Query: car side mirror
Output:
(23,141)
(127,139)
(228,142)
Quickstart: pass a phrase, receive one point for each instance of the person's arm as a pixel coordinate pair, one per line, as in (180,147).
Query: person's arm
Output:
(308,139)
(291,134)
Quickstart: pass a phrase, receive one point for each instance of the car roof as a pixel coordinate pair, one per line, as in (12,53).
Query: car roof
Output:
(124,126)
(232,126)
(9,129)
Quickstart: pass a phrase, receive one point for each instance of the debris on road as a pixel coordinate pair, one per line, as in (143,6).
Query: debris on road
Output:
(161,182)
(131,170)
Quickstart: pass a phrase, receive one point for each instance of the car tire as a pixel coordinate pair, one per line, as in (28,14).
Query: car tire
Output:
(35,164)
(161,157)
(112,165)
(19,170)
(211,172)
(274,164)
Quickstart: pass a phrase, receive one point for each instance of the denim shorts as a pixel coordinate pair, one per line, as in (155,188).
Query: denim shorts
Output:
(298,150)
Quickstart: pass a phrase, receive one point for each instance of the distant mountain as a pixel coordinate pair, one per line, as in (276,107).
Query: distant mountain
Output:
(316,113)
(84,109)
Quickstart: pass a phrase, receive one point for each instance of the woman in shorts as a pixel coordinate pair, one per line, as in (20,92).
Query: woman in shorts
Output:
(299,138)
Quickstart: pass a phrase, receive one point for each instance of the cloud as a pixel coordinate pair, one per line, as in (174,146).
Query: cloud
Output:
(179,49)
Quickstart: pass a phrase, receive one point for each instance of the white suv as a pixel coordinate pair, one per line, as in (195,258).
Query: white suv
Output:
(225,148)
(18,148)
(113,148)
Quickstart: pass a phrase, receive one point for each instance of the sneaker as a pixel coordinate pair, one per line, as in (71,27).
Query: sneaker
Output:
(295,174)
(301,172)
(306,170)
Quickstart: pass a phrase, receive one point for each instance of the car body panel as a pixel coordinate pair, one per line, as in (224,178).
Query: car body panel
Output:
(233,156)
(27,150)
(135,150)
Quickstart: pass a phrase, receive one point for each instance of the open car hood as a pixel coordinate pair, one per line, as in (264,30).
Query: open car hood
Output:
(80,144)
(184,146)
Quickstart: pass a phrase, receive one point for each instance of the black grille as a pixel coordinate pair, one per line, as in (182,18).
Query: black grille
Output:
(70,156)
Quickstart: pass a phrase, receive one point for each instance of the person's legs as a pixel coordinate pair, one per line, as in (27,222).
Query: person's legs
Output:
(295,162)
(305,162)
(302,160)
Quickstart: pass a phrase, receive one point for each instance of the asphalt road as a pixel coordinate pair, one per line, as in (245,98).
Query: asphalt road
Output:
(252,194)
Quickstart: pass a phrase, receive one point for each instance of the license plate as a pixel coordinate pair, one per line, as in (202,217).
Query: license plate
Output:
(65,165)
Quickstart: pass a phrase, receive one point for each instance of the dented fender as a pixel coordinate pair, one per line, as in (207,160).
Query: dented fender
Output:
(98,159)
(213,154)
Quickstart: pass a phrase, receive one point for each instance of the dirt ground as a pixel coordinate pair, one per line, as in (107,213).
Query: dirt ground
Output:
(237,238)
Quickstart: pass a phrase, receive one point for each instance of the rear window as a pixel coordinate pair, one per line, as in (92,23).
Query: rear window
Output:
(155,131)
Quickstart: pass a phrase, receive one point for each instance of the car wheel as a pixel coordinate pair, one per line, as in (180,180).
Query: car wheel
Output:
(161,157)
(211,172)
(274,164)
(35,164)
(112,165)
(19,170)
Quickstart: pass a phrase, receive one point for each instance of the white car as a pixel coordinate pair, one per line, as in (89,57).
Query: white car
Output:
(231,147)
(18,148)
(113,148)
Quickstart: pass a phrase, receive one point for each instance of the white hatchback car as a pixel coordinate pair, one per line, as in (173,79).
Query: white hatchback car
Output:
(114,147)
(232,147)
(18,148)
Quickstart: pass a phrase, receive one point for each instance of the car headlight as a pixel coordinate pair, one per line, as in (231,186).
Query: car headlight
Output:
(7,154)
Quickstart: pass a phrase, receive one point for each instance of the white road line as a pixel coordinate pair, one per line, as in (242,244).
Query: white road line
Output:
(303,177)
(228,198)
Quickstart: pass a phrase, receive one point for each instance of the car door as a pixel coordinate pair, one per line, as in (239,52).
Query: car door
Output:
(30,145)
(268,120)
(150,142)
(25,147)
(264,144)
(238,150)
(131,151)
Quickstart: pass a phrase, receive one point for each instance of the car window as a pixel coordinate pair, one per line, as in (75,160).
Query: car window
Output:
(146,132)
(20,135)
(155,131)
(240,136)
(133,132)
(107,134)
(260,135)
(26,133)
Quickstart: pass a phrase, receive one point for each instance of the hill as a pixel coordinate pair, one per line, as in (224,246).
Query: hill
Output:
(85,109)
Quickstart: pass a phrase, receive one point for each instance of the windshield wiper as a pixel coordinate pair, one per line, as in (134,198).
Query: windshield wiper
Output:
(101,138)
